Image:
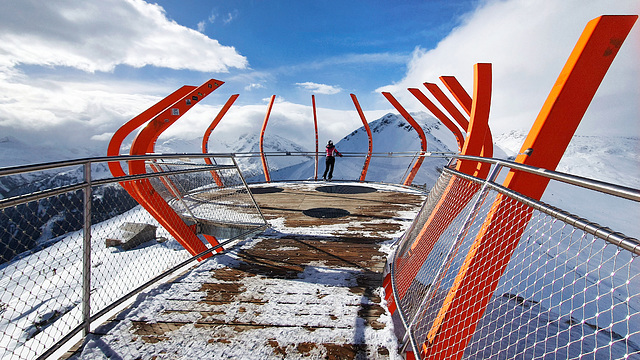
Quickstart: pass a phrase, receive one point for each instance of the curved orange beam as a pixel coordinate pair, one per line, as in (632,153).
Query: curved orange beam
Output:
(207,133)
(478,124)
(265,168)
(448,105)
(315,124)
(363,175)
(118,138)
(417,128)
(145,142)
(467,104)
(458,92)
(453,200)
(440,115)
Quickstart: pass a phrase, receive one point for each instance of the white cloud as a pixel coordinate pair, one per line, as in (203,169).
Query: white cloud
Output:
(100,35)
(102,137)
(253,86)
(320,88)
(230,16)
(528,43)
(202,25)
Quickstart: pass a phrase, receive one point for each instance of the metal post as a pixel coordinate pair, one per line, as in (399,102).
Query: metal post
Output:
(365,167)
(265,167)
(315,124)
(86,252)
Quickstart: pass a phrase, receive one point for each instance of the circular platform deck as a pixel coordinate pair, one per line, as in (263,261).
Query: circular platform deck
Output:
(307,287)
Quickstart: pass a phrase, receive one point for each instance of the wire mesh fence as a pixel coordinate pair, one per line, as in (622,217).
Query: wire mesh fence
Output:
(565,293)
(54,278)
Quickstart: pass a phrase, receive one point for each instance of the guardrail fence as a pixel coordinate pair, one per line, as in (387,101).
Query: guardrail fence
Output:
(570,289)
(74,244)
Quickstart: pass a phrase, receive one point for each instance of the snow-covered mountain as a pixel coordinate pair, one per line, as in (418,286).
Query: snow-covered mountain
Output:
(610,159)
(14,151)
(251,166)
(391,134)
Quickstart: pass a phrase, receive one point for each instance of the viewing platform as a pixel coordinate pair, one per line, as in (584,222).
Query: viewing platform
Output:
(308,286)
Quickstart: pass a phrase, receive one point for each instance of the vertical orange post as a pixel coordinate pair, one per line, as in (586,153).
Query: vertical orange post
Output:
(363,174)
(315,125)
(417,128)
(549,137)
(265,168)
(207,133)
(440,115)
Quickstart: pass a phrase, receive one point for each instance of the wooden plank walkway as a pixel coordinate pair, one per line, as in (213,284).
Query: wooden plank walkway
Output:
(309,287)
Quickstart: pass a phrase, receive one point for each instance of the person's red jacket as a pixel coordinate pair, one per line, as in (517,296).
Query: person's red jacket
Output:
(332,151)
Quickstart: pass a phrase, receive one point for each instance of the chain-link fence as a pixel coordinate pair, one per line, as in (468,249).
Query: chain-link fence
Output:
(74,243)
(569,290)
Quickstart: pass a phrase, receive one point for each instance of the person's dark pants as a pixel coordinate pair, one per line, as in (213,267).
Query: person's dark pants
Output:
(328,166)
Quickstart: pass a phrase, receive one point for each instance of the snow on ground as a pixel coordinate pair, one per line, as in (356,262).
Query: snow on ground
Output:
(31,321)
(332,283)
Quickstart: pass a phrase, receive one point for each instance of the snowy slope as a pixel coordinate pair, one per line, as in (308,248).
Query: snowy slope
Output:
(15,152)
(613,160)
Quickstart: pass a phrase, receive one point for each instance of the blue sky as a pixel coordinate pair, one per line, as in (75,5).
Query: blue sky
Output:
(349,46)
(71,73)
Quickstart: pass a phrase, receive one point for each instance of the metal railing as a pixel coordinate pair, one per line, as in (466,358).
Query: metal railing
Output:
(570,288)
(74,244)
(58,275)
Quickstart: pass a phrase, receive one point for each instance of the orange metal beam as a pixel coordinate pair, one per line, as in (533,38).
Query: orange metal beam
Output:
(417,128)
(265,168)
(467,104)
(207,133)
(440,115)
(315,125)
(130,126)
(363,174)
(551,133)
(147,195)
(458,92)
(458,192)
(478,129)
(448,105)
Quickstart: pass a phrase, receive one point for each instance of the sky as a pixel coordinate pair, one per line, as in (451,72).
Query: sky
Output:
(71,73)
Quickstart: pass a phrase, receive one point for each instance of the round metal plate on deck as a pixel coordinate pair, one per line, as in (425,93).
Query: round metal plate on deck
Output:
(326,213)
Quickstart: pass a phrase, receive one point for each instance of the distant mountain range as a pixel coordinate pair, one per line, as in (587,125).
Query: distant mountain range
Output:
(610,159)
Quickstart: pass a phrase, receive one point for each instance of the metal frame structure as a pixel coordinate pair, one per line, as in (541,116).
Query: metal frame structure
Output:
(207,134)
(365,167)
(263,157)
(560,115)
(416,349)
(474,282)
(90,314)
(423,140)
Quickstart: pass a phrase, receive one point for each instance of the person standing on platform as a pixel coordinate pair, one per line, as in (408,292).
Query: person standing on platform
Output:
(330,160)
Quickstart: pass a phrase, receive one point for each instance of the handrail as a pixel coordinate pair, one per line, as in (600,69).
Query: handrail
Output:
(591,184)
(606,234)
